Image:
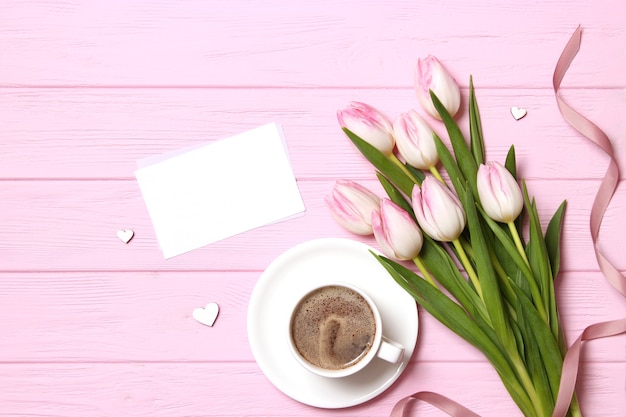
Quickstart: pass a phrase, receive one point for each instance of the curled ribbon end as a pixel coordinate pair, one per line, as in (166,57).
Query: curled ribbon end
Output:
(566,58)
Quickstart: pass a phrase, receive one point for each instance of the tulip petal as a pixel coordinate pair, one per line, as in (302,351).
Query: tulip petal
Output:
(395,231)
(499,193)
(369,124)
(438,210)
(415,142)
(430,75)
(351,205)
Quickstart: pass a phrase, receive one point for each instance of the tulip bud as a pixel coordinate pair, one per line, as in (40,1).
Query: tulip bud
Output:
(351,205)
(396,232)
(499,193)
(414,138)
(438,210)
(369,124)
(431,75)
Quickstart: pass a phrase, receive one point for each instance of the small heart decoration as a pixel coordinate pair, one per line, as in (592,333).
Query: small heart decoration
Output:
(125,235)
(518,112)
(207,315)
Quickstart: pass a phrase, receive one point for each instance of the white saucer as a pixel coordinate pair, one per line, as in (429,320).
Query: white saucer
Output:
(291,274)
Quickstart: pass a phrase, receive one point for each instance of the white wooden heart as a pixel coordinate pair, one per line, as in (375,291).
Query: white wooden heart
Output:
(125,235)
(518,112)
(207,315)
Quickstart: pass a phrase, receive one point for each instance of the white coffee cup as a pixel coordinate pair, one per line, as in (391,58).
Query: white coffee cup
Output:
(314,327)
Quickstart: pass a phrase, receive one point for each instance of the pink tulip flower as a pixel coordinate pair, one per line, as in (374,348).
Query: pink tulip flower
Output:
(369,124)
(431,75)
(351,205)
(415,142)
(499,192)
(438,210)
(396,232)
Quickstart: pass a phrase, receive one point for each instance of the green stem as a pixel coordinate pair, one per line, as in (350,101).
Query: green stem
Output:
(395,160)
(468,267)
(436,174)
(508,295)
(418,262)
(534,289)
(497,266)
(518,241)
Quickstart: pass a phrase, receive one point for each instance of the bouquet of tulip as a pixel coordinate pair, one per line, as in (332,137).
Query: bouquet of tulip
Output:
(475,271)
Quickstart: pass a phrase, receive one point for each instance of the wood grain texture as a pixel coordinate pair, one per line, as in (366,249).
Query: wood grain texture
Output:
(124,316)
(308,43)
(206,389)
(91,326)
(60,223)
(108,130)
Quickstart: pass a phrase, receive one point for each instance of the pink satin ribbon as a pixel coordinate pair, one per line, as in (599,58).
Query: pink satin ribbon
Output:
(572,359)
(607,188)
(597,136)
(439,401)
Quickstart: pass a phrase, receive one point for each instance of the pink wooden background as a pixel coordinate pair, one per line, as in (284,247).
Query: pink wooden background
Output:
(92,327)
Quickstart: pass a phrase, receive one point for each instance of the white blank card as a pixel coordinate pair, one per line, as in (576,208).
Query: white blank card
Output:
(212,192)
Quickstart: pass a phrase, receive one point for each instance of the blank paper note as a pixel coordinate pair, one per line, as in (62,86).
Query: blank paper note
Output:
(212,192)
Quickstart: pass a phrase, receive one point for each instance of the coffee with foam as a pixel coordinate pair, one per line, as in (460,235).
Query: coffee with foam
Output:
(333,327)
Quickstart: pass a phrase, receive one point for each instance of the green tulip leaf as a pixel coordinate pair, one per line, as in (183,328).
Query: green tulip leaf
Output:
(417,174)
(507,243)
(442,307)
(441,265)
(487,276)
(553,238)
(394,194)
(538,257)
(503,258)
(453,316)
(510,163)
(447,160)
(476,130)
(382,163)
(532,354)
(462,152)
(549,355)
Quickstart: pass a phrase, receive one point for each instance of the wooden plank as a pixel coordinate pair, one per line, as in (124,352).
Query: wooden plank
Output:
(101,133)
(201,389)
(56,225)
(313,43)
(146,317)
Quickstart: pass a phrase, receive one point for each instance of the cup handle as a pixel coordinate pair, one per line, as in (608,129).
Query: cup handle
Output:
(390,351)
